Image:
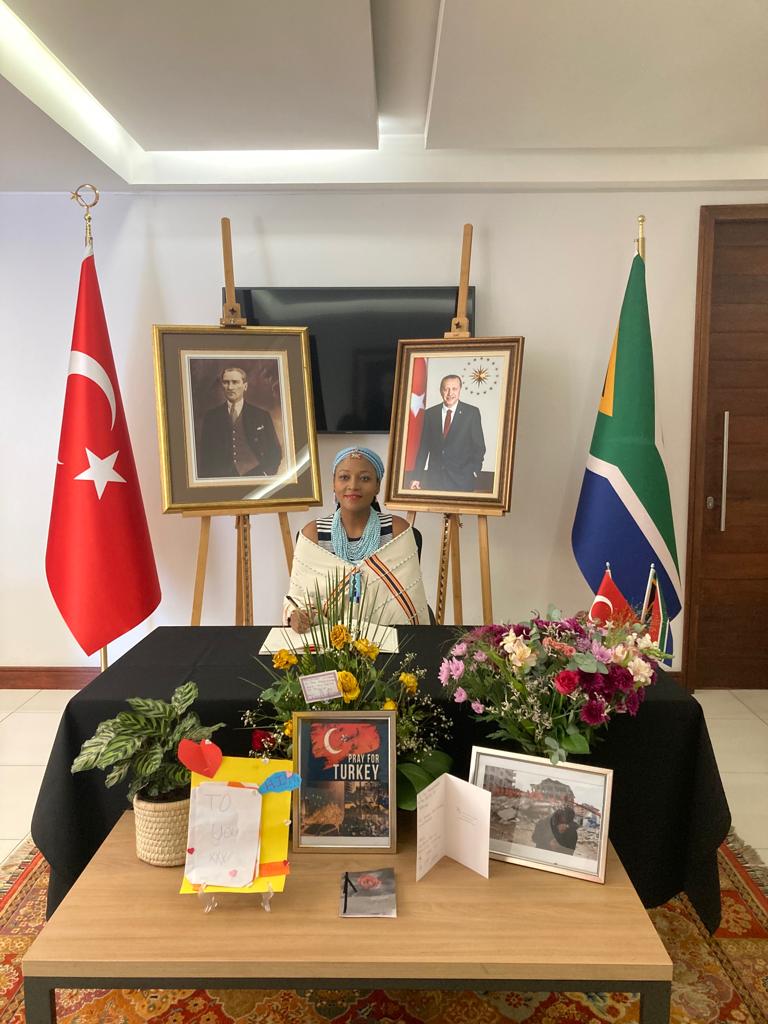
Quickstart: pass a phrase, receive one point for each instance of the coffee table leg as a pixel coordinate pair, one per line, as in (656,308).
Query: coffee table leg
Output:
(39,1001)
(654,1002)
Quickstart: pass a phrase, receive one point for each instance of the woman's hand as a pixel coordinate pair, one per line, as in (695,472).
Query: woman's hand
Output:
(299,621)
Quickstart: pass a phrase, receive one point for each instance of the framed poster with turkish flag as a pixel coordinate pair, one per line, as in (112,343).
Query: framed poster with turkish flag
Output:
(346,800)
(235,418)
(454,420)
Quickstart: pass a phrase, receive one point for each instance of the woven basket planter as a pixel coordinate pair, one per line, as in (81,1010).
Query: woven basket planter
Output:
(161,831)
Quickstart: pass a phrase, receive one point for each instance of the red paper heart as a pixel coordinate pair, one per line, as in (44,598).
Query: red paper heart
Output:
(203,757)
(190,849)
(233,872)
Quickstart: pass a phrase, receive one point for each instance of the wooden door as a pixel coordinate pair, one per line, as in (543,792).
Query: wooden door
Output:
(727,565)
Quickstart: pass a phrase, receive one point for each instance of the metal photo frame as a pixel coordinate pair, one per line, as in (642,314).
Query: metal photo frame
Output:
(346,800)
(235,418)
(454,421)
(551,817)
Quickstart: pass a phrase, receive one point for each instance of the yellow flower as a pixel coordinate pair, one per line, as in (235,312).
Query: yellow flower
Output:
(340,635)
(366,648)
(284,659)
(389,705)
(288,729)
(350,689)
(409,681)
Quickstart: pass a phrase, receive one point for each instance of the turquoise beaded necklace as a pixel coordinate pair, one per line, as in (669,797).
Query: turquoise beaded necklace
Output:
(356,551)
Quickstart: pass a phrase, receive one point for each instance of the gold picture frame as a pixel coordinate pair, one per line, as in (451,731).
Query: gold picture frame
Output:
(545,816)
(460,462)
(235,417)
(346,799)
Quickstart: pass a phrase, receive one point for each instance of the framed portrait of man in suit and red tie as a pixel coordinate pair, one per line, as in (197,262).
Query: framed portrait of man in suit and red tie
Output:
(454,420)
(235,418)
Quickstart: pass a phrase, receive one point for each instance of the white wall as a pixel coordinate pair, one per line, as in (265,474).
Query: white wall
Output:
(551,267)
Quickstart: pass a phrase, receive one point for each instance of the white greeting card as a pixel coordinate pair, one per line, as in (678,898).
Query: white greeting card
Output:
(320,686)
(453,819)
(224,835)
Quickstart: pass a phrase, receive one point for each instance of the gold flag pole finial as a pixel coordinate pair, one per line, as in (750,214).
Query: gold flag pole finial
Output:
(82,201)
(640,240)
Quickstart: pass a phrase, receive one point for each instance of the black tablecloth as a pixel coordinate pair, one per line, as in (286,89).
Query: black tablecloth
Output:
(668,813)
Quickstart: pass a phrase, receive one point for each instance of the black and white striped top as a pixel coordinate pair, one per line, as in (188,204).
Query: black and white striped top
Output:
(324,531)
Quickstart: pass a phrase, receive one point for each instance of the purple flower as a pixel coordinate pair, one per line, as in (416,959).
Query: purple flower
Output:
(456,668)
(621,678)
(594,712)
(478,707)
(601,653)
(459,650)
(444,672)
(480,656)
(461,695)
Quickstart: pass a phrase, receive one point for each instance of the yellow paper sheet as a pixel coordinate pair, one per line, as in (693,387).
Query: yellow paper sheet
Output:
(275,814)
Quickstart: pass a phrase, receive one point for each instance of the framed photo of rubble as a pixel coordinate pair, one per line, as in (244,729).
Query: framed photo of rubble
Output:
(552,817)
(346,800)
(235,418)
(454,422)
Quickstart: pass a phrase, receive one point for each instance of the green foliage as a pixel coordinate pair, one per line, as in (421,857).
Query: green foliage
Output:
(141,744)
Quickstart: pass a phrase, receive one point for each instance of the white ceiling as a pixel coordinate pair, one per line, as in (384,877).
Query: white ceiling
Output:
(391,93)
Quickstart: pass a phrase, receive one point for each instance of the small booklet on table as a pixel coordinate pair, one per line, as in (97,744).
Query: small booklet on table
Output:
(368,893)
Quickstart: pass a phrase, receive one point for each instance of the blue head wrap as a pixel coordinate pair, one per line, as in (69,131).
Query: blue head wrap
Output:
(372,457)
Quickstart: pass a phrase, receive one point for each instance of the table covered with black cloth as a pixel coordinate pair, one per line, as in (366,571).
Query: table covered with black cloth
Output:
(668,813)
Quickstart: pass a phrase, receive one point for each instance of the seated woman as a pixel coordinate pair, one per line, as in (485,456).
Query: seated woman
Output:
(372,553)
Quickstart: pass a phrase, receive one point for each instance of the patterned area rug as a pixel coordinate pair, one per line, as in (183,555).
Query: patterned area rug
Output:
(717,979)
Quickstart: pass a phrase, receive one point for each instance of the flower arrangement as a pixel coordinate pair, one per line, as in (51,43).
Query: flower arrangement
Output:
(550,683)
(341,642)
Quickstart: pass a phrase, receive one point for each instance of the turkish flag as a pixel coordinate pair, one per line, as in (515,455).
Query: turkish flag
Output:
(610,605)
(416,414)
(99,561)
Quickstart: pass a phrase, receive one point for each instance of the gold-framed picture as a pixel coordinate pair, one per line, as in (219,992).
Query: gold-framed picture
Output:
(552,817)
(454,421)
(346,799)
(235,416)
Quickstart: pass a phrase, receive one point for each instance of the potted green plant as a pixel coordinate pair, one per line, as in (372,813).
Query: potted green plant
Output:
(140,745)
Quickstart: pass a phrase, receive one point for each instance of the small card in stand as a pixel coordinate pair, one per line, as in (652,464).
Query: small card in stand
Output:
(368,893)
(320,686)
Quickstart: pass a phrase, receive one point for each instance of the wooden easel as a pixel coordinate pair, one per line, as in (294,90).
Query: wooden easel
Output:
(450,548)
(230,317)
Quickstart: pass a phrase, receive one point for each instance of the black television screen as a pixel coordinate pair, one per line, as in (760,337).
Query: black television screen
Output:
(353,342)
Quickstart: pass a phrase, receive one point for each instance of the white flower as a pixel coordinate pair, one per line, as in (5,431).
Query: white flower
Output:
(644,642)
(620,654)
(520,654)
(641,671)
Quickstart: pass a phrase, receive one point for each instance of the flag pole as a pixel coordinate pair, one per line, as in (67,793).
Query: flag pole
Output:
(647,597)
(82,201)
(640,240)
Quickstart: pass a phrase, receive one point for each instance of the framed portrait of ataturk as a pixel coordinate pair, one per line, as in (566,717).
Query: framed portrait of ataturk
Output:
(454,421)
(235,418)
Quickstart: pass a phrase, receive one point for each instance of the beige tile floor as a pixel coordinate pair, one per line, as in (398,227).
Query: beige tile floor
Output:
(737,721)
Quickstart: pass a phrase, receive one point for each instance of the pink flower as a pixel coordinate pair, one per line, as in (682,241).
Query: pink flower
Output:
(461,695)
(444,672)
(594,712)
(456,668)
(478,707)
(459,650)
(480,656)
(567,681)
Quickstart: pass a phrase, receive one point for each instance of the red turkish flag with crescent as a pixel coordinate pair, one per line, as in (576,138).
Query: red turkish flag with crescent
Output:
(416,414)
(99,561)
(610,605)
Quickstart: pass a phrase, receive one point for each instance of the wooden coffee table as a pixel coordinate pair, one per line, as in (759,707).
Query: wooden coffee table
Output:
(123,925)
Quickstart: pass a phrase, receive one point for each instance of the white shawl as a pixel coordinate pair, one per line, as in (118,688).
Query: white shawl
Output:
(390,577)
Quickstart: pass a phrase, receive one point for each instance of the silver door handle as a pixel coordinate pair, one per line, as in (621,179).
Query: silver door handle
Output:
(724,485)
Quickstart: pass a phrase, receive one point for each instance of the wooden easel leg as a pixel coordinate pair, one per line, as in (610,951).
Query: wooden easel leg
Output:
(202,561)
(244,599)
(485,569)
(442,574)
(458,612)
(285,531)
